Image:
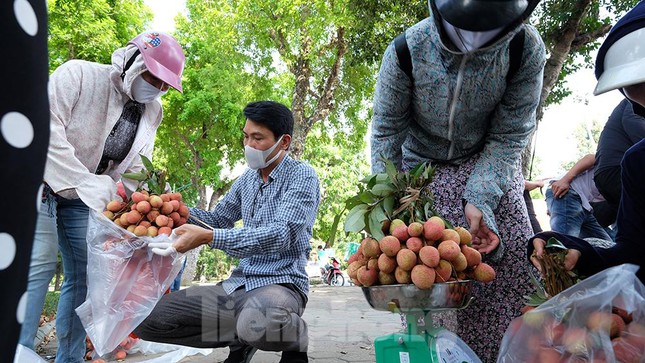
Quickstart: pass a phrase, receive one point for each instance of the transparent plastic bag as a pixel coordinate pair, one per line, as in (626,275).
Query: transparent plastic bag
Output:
(583,323)
(125,280)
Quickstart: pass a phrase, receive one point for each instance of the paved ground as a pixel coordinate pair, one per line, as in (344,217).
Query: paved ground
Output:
(342,328)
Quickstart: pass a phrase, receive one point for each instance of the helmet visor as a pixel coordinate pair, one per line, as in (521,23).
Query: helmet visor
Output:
(481,15)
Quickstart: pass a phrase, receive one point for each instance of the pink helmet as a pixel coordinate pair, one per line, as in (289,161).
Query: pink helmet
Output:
(162,55)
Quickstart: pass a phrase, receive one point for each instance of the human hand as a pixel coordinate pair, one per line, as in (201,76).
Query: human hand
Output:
(190,236)
(570,259)
(484,240)
(560,188)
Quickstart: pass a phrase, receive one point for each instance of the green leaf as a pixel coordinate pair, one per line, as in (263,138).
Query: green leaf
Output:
(383,190)
(391,171)
(355,221)
(554,243)
(378,213)
(135,176)
(147,163)
(388,205)
(366,197)
(375,223)
(352,202)
(334,229)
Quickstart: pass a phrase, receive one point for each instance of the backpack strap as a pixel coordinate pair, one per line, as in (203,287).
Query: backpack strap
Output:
(403,54)
(516,49)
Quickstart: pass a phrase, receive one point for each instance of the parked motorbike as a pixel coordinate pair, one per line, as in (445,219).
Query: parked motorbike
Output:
(331,273)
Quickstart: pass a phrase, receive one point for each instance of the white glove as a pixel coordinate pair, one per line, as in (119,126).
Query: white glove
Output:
(162,248)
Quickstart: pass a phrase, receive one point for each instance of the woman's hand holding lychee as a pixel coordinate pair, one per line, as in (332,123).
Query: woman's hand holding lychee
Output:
(484,240)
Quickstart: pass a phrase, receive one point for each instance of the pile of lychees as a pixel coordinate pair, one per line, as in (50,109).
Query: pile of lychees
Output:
(419,253)
(146,214)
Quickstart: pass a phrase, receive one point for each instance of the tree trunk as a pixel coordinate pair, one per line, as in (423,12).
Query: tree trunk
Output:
(59,272)
(303,94)
(562,43)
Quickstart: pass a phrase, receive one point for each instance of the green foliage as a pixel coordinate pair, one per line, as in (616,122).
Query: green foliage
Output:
(388,196)
(92,29)
(51,303)
(552,19)
(214,264)
(151,179)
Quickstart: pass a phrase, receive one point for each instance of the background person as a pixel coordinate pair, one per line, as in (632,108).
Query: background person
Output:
(116,107)
(619,65)
(461,110)
(569,202)
(623,129)
(260,305)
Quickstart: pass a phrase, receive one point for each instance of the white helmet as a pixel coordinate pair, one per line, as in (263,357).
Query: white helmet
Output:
(624,63)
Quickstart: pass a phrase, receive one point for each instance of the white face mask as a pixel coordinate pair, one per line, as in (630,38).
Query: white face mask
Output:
(144,92)
(257,158)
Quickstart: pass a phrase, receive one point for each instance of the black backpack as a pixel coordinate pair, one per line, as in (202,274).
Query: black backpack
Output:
(516,49)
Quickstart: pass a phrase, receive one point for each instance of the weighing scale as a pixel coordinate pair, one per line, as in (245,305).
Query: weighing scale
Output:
(419,341)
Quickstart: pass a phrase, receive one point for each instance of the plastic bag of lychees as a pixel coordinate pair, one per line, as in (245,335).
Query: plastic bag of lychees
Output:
(125,280)
(600,319)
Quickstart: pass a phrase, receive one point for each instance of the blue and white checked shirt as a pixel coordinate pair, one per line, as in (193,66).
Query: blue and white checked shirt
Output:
(278,216)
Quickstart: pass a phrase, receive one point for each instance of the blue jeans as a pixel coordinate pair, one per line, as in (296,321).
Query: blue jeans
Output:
(68,218)
(72,216)
(569,217)
(41,269)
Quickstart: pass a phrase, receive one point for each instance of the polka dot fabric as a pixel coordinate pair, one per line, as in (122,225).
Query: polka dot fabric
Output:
(24,137)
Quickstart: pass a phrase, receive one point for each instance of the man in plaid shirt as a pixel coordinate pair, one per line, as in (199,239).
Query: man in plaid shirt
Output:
(260,305)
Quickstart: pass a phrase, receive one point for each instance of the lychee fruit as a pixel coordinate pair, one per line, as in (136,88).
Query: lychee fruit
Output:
(134,217)
(386,263)
(422,276)
(155,201)
(140,231)
(449,250)
(138,197)
(473,257)
(484,273)
(465,238)
(450,234)
(114,206)
(460,263)
(367,277)
(406,259)
(395,223)
(414,244)
(433,228)
(443,271)
(386,278)
(415,229)
(143,207)
(429,256)
(109,215)
(390,245)
(371,247)
(402,276)
(401,232)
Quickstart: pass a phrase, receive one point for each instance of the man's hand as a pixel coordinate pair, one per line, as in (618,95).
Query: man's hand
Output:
(190,236)
(484,240)
(570,259)
(560,188)
(183,239)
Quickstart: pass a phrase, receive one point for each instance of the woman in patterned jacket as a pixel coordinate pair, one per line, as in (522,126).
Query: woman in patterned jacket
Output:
(465,109)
